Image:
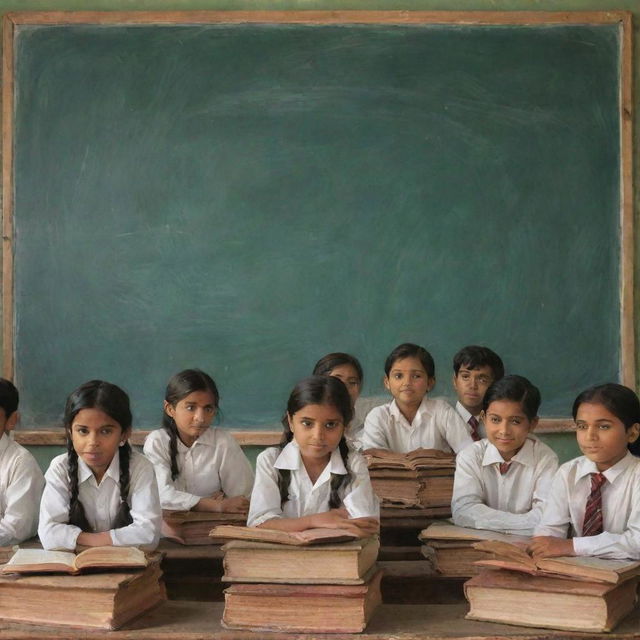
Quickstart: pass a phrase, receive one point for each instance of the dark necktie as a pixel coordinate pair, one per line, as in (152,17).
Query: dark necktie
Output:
(593,512)
(473,423)
(504,467)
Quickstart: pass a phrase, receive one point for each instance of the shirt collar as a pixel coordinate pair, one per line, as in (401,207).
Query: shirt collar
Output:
(207,438)
(464,414)
(524,456)
(289,458)
(422,411)
(586,467)
(113,471)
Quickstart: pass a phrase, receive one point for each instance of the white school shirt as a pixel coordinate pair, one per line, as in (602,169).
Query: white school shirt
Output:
(214,462)
(304,498)
(567,500)
(21,484)
(101,503)
(436,425)
(465,415)
(353,435)
(509,503)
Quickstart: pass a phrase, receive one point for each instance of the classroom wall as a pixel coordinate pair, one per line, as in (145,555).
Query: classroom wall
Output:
(564,444)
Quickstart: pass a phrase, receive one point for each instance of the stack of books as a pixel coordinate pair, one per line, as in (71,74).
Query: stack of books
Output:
(52,588)
(567,593)
(451,548)
(192,527)
(332,572)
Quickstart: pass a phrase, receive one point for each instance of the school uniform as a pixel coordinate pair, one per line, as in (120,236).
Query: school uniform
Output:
(101,503)
(565,508)
(436,425)
(484,498)
(214,462)
(21,484)
(466,416)
(306,498)
(353,435)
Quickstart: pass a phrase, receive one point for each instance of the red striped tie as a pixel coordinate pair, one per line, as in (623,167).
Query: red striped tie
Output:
(473,423)
(593,512)
(504,467)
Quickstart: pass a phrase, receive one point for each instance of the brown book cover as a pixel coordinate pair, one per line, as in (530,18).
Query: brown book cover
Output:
(295,538)
(325,608)
(191,528)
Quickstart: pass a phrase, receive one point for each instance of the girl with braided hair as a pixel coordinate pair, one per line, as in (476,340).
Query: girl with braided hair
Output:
(314,480)
(99,493)
(197,467)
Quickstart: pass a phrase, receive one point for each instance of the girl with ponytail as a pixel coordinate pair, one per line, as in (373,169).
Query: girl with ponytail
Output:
(314,479)
(198,468)
(99,493)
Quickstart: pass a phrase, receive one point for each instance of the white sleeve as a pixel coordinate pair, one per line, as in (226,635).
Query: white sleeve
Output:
(265,497)
(556,517)
(23,493)
(157,451)
(236,475)
(54,529)
(374,435)
(454,429)
(360,500)
(144,503)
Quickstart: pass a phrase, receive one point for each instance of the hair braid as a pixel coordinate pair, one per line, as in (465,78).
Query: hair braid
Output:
(284,475)
(337,479)
(172,430)
(77,515)
(123,517)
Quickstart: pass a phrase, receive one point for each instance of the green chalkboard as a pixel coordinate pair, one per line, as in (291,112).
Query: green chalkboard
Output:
(247,197)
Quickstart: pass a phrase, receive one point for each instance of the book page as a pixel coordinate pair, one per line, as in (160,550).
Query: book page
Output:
(111,557)
(31,559)
(452,532)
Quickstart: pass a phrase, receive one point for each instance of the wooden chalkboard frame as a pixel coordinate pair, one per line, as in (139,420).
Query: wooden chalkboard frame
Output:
(623,19)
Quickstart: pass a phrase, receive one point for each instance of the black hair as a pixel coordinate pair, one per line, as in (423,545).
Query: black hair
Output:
(474,357)
(619,400)
(9,397)
(179,387)
(409,350)
(326,365)
(318,390)
(112,400)
(516,389)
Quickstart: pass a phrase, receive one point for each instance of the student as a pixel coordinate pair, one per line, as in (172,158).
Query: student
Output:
(475,369)
(21,481)
(596,497)
(413,421)
(346,368)
(313,479)
(100,492)
(197,467)
(501,482)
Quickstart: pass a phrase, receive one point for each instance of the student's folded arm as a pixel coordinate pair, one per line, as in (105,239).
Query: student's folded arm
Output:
(236,475)
(22,499)
(54,529)
(265,497)
(374,434)
(170,498)
(146,512)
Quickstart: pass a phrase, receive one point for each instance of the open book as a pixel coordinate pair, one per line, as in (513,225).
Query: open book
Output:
(446,531)
(297,538)
(41,561)
(515,558)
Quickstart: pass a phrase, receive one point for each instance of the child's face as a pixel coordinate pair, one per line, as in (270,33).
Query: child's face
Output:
(408,381)
(96,437)
(507,427)
(317,429)
(193,415)
(348,374)
(471,385)
(601,435)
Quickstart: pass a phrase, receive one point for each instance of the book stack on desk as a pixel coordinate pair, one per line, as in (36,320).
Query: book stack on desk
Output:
(192,527)
(334,573)
(100,588)
(452,551)
(567,593)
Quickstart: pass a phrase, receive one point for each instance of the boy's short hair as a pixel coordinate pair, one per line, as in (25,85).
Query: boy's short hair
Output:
(409,350)
(515,389)
(9,397)
(474,356)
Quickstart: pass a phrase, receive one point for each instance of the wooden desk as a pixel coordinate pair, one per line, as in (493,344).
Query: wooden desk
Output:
(201,621)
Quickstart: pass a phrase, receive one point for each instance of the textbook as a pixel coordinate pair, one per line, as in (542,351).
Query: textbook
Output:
(192,527)
(422,478)
(509,597)
(98,600)
(587,568)
(41,561)
(451,548)
(341,563)
(302,608)
(296,538)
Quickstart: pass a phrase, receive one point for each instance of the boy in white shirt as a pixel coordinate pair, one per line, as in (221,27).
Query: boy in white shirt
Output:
(475,369)
(21,481)
(501,482)
(596,498)
(413,421)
